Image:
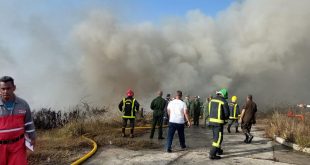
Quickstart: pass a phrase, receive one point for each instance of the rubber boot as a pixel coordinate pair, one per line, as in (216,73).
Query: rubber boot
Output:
(131,133)
(237,131)
(228,128)
(123,132)
(213,155)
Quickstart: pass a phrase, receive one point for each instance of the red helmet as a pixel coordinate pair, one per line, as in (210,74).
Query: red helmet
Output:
(130,92)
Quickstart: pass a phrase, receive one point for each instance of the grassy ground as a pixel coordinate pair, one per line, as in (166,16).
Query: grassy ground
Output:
(291,129)
(65,145)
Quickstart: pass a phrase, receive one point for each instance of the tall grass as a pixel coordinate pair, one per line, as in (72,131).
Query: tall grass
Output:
(291,129)
(62,143)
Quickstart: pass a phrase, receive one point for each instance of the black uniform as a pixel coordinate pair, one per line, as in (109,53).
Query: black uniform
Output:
(129,106)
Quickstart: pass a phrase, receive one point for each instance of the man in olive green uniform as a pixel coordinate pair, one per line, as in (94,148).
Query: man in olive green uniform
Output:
(195,108)
(158,107)
(205,111)
(218,113)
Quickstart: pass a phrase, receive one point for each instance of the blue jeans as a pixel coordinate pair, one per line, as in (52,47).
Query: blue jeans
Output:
(172,128)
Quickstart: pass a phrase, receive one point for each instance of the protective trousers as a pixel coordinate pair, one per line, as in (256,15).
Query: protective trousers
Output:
(14,153)
(132,125)
(217,139)
(157,120)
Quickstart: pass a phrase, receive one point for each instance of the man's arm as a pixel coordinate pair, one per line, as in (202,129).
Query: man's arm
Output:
(29,126)
(187,117)
(120,106)
(152,105)
(241,116)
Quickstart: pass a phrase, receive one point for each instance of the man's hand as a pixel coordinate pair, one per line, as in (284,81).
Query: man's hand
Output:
(189,124)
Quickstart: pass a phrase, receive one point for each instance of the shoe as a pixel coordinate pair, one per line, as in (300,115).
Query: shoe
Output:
(169,150)
(220,152)
(161,138)
(183,148)
(228,129)
(123,135)
(151,137)
(250,139)
(131,135)
(237,131)
(215,157)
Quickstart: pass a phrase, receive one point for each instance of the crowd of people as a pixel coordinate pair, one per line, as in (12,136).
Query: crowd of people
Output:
(178,113)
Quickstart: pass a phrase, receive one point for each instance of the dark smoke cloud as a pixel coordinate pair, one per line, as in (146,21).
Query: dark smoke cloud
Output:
(255,46)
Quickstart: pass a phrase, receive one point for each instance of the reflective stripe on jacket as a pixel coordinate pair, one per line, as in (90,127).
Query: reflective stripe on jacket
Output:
(234,111)
(218,111)
(129,106)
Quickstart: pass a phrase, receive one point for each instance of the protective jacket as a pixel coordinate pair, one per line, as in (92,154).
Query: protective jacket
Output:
(218,111)
(15,123)
(129,106)
(234,111)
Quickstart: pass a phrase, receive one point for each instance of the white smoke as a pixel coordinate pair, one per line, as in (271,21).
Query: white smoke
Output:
(254,46)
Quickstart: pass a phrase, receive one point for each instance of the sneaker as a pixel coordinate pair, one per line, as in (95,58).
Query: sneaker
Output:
(169,150)
(215,157)
(161,138)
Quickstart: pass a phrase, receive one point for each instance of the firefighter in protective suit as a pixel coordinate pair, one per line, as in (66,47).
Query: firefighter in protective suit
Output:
(234,113)
(129,106)
(218,112)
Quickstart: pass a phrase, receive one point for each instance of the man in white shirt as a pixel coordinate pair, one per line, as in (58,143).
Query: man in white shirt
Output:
(177,111)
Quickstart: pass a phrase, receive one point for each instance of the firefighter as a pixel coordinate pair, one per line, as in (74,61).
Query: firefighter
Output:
(16,123)
(234,113)
(218,112)
(129,106)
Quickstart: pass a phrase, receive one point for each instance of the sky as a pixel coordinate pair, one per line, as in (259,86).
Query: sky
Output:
(63,51)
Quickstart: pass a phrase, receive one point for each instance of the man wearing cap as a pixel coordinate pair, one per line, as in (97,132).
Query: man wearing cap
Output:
(129,106)
(16,123)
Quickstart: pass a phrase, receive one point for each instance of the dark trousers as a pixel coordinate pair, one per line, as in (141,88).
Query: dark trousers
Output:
(132,125)
(172,128)
(132,122)
(157,120)
(217,139)
(233,122)
(196,119)
(246,127)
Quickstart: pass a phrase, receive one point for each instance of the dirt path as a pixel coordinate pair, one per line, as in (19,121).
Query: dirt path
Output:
(261,151)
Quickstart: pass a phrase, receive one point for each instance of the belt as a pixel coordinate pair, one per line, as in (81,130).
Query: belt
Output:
(10,141)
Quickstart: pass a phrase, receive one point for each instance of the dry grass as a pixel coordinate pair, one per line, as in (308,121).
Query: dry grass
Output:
(64,145)
(291,129)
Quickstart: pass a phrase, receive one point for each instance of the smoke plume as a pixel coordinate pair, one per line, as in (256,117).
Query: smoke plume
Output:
(259,47)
